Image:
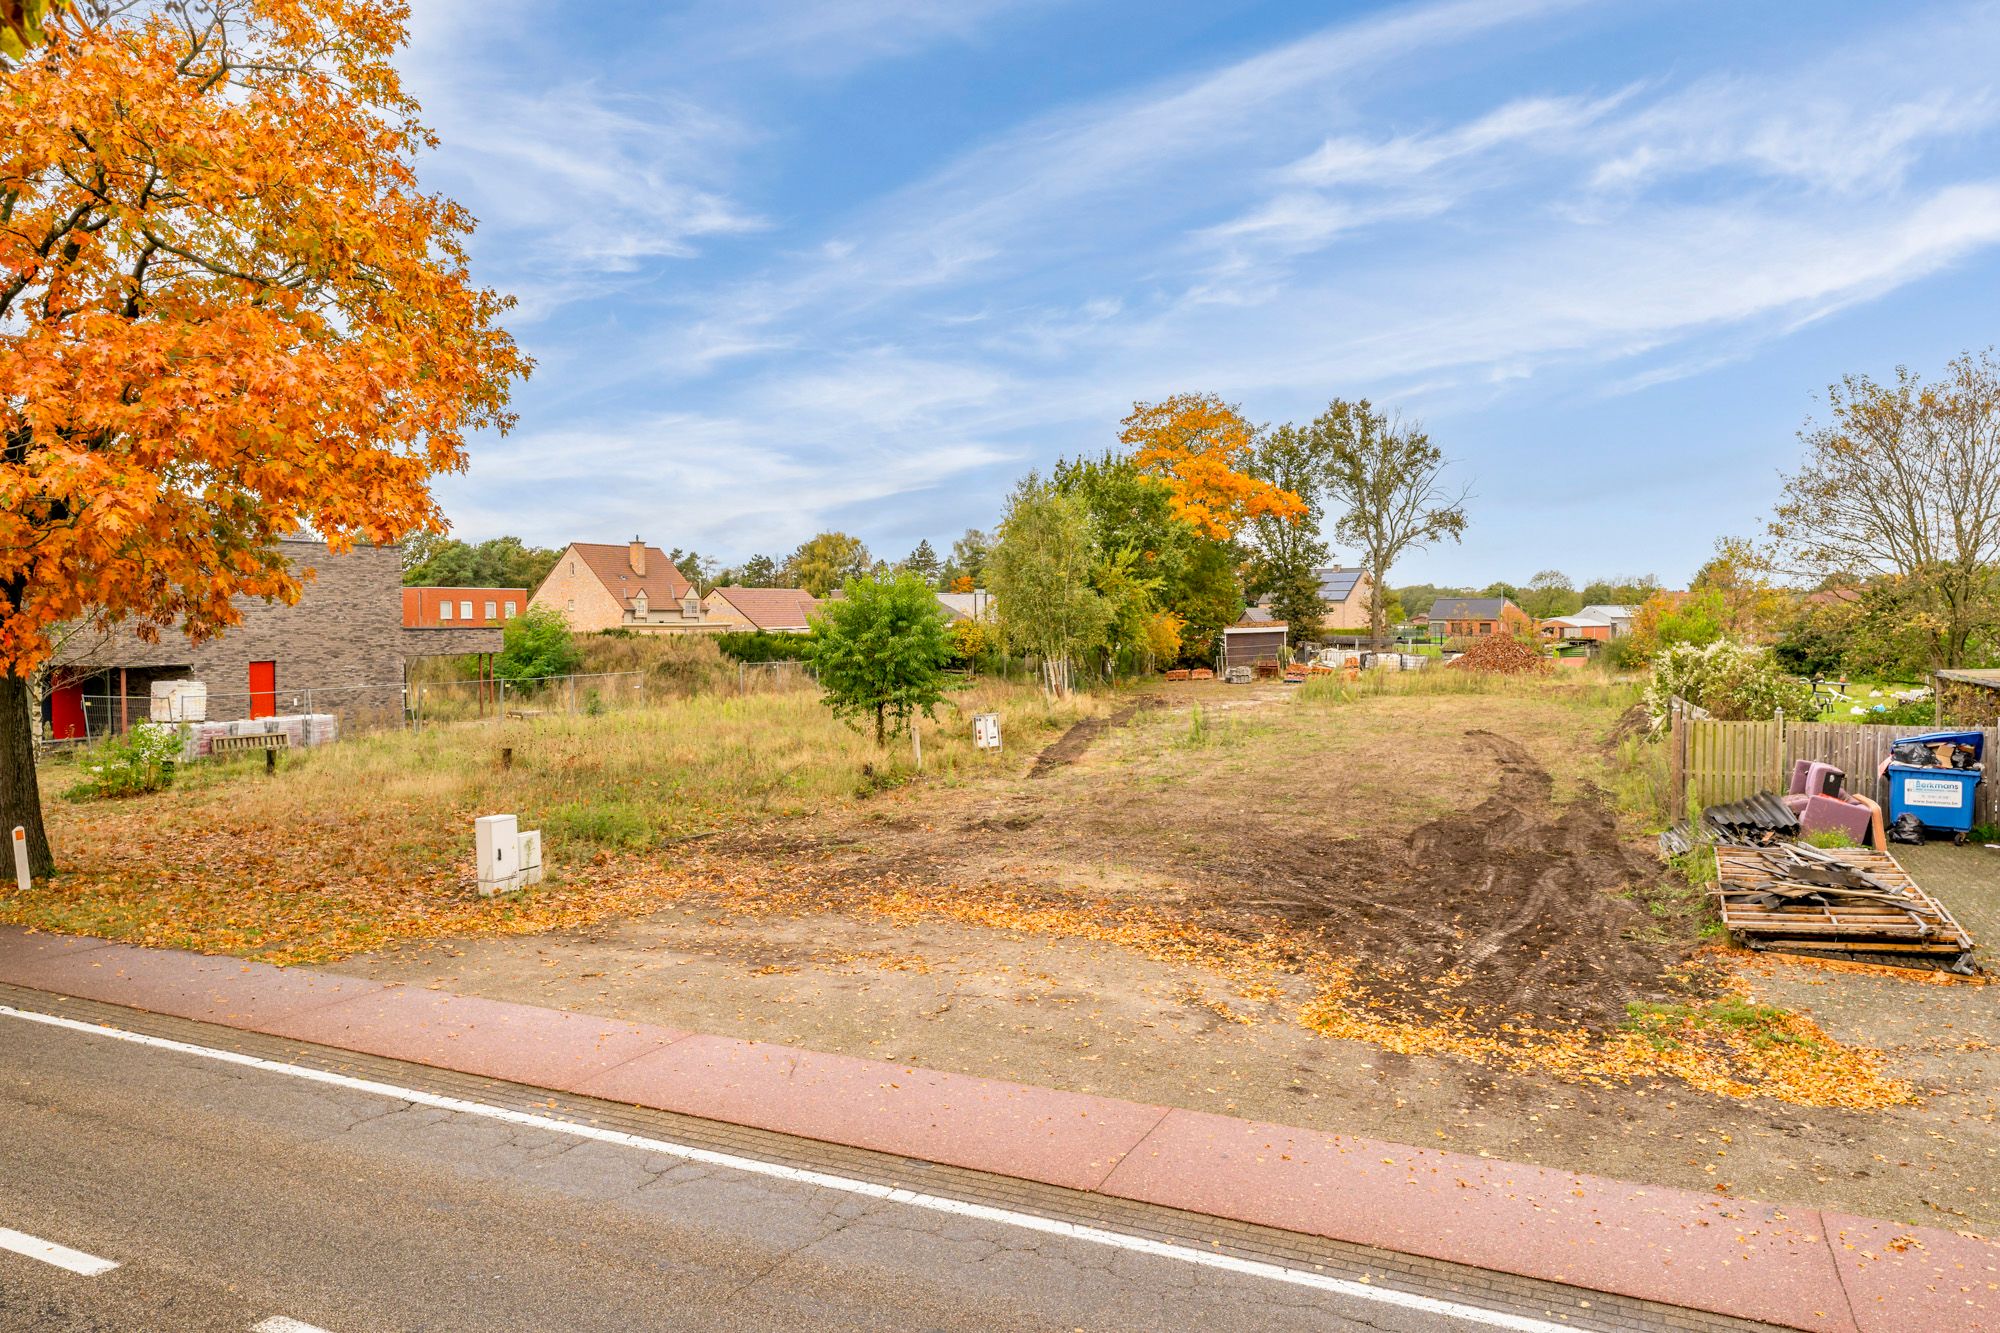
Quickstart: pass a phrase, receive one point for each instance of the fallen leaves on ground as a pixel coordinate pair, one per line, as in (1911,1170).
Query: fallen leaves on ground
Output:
(309,905)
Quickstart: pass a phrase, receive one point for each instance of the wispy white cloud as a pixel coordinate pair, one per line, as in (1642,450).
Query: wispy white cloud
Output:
(1544,123)
(764,461)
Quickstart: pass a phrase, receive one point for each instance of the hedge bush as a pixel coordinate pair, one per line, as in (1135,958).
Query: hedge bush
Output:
(1732,681)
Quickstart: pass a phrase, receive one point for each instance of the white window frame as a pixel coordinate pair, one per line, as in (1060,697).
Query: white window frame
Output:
(444,609)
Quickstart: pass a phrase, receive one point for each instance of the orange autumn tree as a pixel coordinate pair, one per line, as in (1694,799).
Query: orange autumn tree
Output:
(1198,444)
(227,311)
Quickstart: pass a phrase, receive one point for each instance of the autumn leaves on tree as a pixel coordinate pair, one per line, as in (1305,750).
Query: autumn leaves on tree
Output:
(227,311)
(1199,446)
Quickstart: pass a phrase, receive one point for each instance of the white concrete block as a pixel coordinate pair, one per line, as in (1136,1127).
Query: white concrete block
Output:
(531,856)
(497,841)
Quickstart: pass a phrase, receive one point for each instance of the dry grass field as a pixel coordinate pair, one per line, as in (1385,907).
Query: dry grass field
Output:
(369,841)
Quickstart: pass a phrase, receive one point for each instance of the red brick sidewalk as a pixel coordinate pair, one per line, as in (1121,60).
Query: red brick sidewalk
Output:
(1799,1267)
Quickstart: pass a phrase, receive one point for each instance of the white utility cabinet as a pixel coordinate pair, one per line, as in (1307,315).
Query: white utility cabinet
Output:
(497,839)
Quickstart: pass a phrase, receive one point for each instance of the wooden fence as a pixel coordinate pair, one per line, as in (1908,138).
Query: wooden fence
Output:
(1717,762)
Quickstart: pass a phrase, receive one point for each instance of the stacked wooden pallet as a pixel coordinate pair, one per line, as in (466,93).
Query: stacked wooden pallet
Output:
(1852,901)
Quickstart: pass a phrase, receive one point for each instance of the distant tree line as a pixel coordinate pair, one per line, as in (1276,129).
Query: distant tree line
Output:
(431,561)
(1549,593)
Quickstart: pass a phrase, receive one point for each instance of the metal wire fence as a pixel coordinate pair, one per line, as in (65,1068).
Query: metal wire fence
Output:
(79,719)
(434,703)
(781,674)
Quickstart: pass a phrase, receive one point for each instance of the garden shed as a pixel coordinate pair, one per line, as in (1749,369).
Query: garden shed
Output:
(1968,697)
(1247,645)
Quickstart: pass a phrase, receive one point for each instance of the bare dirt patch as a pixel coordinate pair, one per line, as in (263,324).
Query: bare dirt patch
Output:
(1072,743)
(1514,910)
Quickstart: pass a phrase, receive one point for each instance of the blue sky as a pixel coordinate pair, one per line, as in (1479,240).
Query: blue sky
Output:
(790,266)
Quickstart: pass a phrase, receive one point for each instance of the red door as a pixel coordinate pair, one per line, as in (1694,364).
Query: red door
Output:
(263,689)
(66,713)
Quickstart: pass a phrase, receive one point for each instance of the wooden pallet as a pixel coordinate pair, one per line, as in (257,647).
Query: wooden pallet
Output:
(1922,931)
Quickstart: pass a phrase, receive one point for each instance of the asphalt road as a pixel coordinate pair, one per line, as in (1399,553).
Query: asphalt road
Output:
(230,1196)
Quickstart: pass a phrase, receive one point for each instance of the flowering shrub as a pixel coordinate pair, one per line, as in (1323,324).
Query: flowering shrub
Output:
(141,760)
(1733,681)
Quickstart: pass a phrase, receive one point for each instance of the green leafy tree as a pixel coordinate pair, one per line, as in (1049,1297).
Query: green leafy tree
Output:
(1619,591)
(1040,573)
(536,645)
(1130,601)
(1549,594)
(1754,607)
(1290,548)
(826,562)
(1388,478)
(1418,598)
(1209,600)
(1195,579)
(1815,643)
(502,562)
(1664,620)
(966,570)
(881,650)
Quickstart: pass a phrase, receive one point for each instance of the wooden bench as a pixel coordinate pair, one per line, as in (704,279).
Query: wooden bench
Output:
(265,740)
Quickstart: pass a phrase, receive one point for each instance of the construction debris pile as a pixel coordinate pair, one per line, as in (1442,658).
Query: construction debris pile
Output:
(1504,655)
(1854,902)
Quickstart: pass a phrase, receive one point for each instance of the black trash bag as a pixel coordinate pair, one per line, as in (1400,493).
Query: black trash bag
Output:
(1914,755)
(1961,757)
(1906,828)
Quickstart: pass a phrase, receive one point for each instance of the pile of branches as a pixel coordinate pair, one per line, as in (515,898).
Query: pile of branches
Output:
(1506,656)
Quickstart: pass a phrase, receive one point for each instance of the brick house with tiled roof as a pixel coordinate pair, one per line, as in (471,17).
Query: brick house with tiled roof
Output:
(633,586)
(773,610)
(1479,618)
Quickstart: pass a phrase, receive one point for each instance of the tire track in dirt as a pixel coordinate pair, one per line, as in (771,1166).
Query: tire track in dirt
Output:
(1069,747)
(1508,909)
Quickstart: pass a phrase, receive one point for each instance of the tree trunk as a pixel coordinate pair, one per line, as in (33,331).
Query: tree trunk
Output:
(20,792)
(1378,613)
(881,724)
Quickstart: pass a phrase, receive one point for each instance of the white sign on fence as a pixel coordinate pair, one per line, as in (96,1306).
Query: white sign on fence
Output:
(986,730)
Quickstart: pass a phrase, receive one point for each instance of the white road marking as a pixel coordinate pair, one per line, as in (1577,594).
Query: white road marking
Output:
(1470,1314)
(278,1323)
(62,1256)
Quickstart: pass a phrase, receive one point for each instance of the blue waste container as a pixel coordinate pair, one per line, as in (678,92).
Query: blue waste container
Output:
(1942,799)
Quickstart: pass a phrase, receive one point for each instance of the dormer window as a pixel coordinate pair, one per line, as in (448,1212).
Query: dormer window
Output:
(691,607)
(639,604)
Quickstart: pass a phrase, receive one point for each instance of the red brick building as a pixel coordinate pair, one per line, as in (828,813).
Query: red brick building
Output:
(1479,618)
(460,608)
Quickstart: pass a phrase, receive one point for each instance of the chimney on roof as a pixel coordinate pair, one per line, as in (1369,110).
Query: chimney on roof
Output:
(637,557)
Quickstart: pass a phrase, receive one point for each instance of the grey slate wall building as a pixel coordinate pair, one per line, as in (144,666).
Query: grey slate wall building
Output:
(342,649)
